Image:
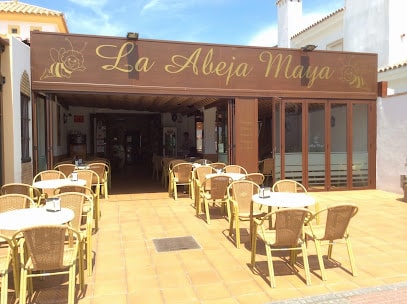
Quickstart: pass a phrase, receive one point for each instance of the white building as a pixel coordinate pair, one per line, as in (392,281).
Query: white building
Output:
(375,26)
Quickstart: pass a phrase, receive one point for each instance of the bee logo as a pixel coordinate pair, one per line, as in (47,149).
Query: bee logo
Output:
(64,62)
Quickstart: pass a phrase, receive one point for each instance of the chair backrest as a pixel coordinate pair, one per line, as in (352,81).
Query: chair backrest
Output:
(182,172)
(234,169)
(15,201)
(241,191)
(257,178)
(201,172)
(74,188)
(218,165)
(48,174)
(44,245)
(67,169)
(217,186)
(101,170)
(289,223)
(73,201)
(267,166)
(21,188)
(88,175)
(203,161)
(288,185)
(337,219)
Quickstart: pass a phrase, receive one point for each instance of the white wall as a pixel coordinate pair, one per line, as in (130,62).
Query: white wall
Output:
(391,142)
(15,61)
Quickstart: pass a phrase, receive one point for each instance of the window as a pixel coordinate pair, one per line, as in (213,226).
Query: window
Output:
(14,29)
(35,28)
(25,129)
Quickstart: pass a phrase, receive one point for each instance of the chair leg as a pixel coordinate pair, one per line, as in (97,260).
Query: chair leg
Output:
(270,266)
(71,285)
(306,264)
(23,286)
(320,259)
(237,233)
(4,288)
(208,217)
(351,257)
(254,247)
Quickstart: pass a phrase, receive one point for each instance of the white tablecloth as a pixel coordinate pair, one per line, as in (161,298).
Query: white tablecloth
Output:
(55,183)
(285,200)
(22,218)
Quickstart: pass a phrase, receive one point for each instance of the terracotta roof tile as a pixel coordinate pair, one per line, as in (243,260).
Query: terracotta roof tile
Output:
(319,21)
(24,8)
(393,66)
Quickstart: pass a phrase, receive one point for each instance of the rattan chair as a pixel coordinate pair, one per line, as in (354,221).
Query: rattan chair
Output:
(242,207)
(90,176)
(234,169)
(15,201)
(218,165)
(171,163)
(203,161)
(82,221)
(214,189)
(266,168)
(21,188)
(287,235)
(102,170)
(45,252)
(46,175)
(334,230)
(65,168)
(198,177)
(257,178)
(181,175)
(288,185)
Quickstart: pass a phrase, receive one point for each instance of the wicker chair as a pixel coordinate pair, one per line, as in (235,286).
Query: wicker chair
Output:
(288,185)
(45,175)
(21,188)
(218,165)
(287,235)
(171,163)
(334,230)
(82,221)
(266,168)
(257,178)
(180,175)
(242,207)
(234,169)
(102,169)
(198,177)
(44,252)
(214,189)
(67,169)
(89,176)
(15,201)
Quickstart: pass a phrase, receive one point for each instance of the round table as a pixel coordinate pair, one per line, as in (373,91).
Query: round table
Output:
(56,183)
(23,218)
(285,199)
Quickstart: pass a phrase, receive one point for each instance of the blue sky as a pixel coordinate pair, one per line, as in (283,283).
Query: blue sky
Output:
(241,22)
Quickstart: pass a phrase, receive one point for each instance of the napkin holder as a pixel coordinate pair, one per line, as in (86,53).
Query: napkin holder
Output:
(53,204)
(263,193)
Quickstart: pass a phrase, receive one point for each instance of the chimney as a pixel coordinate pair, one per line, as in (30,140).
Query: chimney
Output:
(289,14)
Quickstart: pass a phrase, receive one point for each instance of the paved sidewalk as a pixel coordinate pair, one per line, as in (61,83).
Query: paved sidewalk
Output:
(386,294)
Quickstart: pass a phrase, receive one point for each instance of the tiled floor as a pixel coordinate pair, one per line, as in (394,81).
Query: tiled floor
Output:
(128,269)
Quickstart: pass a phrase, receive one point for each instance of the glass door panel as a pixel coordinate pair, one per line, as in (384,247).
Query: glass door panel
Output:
(293,141)
(316,146)
(359,145)
(339,157)
(276,138)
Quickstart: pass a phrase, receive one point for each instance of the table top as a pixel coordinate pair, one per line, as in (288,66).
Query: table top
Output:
(55,183)
(285,199)
(23,218)
(234,176)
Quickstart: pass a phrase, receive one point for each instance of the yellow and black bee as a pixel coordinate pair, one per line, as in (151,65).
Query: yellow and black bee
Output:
(65,62)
